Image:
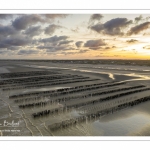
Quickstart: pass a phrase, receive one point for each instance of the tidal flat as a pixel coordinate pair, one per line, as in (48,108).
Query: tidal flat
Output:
(45,98)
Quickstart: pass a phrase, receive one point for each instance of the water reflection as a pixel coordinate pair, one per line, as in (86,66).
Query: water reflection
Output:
(122,126)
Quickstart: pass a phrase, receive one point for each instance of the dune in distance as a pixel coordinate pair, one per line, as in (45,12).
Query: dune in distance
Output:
(74,97)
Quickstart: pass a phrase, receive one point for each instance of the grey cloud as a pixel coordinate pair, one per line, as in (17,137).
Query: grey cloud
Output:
(138,28)
(56,48)
(7,30)
(146,47)
(96,17)
(74,52)
(33,31)
(27,52)
(14,48)
(18,40)
(137,19)
(54,16)
(22,22)
(52,48)
(75,30)
(79,44)
(82,51)
(131,41)
(2,52)
(51,29)
(5,16)
(112,27)
(107,47)
(65,42)
(54,39)
(94,44)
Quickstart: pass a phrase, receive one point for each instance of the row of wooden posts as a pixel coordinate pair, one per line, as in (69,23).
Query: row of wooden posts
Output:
(45,83)
(24,74)
(61,90)
(41,103)
(58,83)
(70,107)
(21,81)
(74,121)
(49,95)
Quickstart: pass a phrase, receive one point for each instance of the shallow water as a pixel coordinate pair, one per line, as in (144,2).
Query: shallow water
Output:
(122,126)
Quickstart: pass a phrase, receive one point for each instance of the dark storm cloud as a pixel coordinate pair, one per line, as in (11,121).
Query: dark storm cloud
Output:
(138,28)
(132,41)
(18,40)
(33,31)
(22,22)
(112,27)
(27,52)
(137,19)
(51,29)
(54,39)
(65,42)
(97,17)
(94,44)
(79,44)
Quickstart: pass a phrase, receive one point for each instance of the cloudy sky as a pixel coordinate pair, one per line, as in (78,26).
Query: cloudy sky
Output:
(74,36)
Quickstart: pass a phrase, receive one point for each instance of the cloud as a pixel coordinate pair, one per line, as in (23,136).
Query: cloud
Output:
(74,52)
(75,30)
(14,48)
(65,42)
(27,52)
(54,39)
(146,47)
(94,44)
(54,16)
(132,41)
(22,22)
(112,27)
(33,31)
(137,19)
(4,52)
(7,30)
(138,28)
(17,40)
(51,29)
(5,16)
(83,51)
(107,47)
(56,48)
(95,17)
(79,44)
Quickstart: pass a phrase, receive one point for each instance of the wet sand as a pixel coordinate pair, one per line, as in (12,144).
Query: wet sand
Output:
(127,122)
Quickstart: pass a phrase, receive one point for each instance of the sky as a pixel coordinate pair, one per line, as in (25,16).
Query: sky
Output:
(74,36)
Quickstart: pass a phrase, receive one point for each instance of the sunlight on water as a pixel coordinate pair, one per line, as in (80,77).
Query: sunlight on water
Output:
(121,127)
